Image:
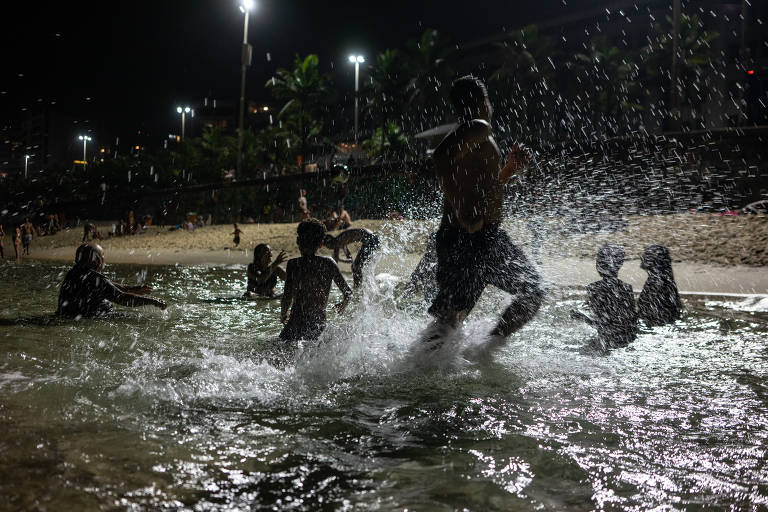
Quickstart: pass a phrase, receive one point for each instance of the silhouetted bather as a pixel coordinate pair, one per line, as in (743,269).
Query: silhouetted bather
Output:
(86,292)
(370,243)
(659,302)
(308,284)
(611,301)
(472,248)
(263,273)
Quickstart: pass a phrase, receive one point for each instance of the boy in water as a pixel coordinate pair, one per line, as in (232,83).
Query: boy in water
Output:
(472,249)
(86,292)
(611,300)
(370,244)
(307,285)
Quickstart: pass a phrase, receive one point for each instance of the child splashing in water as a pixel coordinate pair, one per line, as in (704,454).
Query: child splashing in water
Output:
(307,285)
(659,302)
(370,244)
(611,301)
(473,250)
(263,273)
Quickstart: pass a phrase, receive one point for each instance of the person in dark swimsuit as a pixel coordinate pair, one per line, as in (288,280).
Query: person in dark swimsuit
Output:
(611,301)
(472,249)
(659,302)
(263,273)
(86,292)
(307,286)
(370,243)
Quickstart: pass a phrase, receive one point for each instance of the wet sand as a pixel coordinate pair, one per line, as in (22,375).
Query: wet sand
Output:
(711,253)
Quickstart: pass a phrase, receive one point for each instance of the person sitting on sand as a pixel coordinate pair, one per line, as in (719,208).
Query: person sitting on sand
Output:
(370,244)
(611,301)
(345,221)
(331,220)
(263,273)
(473,250)
(307,285)
(86,292)
(659,302)
(236,232)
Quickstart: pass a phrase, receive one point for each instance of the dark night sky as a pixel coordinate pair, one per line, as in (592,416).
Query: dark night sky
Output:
(136,60)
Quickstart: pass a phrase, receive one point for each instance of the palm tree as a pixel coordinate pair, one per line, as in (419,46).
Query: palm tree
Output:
(387,89)
(304,90)
(695,55)
(428,60)
(607,83)
(387,143)
(524,76)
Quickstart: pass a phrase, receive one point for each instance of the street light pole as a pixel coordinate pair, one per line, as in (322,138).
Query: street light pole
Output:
(357,60)
(26,165)
(245,61)
(183,111)
(85,139)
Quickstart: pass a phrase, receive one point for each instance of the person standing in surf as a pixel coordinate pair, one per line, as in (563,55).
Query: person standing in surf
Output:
(263,273)
(473,250)
(307,285)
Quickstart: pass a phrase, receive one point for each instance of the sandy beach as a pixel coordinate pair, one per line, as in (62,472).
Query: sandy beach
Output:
(711,252)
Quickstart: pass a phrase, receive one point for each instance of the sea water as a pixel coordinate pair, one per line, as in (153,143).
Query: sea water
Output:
(199,408)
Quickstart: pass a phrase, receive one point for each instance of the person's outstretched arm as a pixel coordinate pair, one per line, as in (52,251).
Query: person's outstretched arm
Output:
(516,161)
(133,301)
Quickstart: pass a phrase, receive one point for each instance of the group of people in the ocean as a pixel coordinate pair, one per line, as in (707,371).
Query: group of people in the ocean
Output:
(469,251)
(612,301)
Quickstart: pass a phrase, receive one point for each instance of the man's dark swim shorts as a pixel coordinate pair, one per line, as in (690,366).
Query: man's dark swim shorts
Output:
(468,262)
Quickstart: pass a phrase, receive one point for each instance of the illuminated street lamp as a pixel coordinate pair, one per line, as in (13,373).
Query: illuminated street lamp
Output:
(356,60)
(245,60)
(85,139)
(183,111)
(26,165)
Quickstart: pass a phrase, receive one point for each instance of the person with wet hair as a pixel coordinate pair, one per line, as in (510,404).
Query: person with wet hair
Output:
(370,243)
(263,273)
(611,301)
(472,249)
(308,284)
(659,302)
(86,292)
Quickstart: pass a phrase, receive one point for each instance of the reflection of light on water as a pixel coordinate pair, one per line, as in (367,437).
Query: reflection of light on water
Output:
(193,402)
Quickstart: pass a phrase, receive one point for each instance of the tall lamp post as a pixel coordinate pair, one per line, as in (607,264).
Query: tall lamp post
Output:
(183,111)
(245,62)
(356,60)
(85,139)
(26,165)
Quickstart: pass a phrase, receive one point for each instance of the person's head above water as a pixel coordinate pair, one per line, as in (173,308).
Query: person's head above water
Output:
(469,98)
(656,260)
(310,236)
(262,255)
(89,256)
(610,258)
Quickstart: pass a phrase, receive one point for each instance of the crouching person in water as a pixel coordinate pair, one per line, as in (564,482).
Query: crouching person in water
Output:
(307,285)
(659,302)
(472,249)
(263,273)
(370,244)
(86,292)
(611,301)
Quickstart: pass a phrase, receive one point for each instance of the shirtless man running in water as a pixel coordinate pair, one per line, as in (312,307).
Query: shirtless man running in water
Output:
(472,249)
